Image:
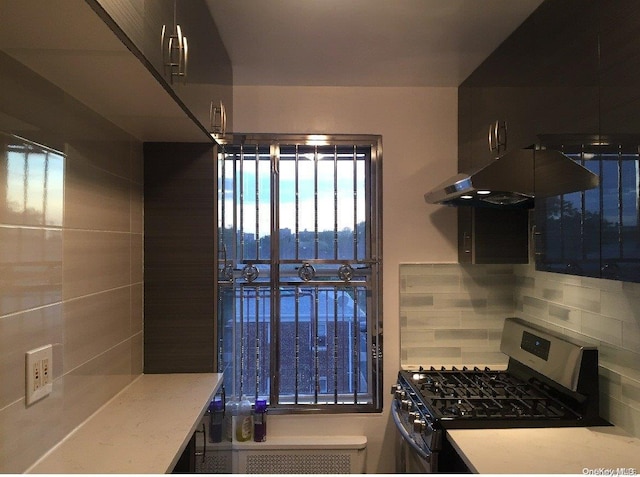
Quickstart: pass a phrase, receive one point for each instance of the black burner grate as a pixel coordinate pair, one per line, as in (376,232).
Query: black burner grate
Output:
(477,394)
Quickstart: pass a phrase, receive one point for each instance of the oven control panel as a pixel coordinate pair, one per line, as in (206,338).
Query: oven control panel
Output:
(535,345)
(557,357)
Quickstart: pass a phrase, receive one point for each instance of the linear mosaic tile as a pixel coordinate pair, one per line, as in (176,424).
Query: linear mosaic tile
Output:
(466,312)
(462,326)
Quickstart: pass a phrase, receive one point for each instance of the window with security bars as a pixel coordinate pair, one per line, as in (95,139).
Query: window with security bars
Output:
(299,271)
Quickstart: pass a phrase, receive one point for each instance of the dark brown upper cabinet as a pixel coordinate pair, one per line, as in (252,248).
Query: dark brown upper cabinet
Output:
(542,79)
(545,83)
(596,232)
(94,65)
(197,78)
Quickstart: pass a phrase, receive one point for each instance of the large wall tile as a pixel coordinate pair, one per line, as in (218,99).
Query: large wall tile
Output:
(20,333)
(137,354)
(95,199)
(108,149)
(137,208)
(95,261)
(137,266)
(71,260)
(27,433)
(96,381)
(137,307)
(32,179)
(94,324)
(30,268)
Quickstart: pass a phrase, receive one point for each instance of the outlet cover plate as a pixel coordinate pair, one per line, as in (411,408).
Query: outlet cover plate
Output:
(39,373)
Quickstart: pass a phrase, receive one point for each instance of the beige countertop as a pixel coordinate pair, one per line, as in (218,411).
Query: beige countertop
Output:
(143,429)
(574,450)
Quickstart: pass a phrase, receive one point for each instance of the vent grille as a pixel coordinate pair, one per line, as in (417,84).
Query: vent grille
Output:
(299,464)
(215,463)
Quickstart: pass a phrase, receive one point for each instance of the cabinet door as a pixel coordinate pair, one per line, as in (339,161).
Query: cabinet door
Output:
(498,93)
(620,127)
(620,69)
(488,235)
(208,71)
(542,80)
(594,233)
(209,75)
(567,231)
(465,128)
(563,87)
(620,231)
(141,21)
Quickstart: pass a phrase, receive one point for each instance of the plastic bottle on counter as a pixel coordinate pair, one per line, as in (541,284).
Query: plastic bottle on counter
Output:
(244,424)
(260,421)
(216,420)
(230,418)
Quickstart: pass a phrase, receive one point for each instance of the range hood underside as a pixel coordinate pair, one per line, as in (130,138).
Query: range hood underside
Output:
(513,180)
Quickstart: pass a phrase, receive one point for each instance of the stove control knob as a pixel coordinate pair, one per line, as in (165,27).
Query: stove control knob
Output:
(398,392)
(406,404)
(419,425)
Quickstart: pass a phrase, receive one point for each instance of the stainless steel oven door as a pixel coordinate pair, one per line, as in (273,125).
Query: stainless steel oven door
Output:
(411,457)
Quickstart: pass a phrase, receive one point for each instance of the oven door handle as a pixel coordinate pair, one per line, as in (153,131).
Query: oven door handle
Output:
(406,436)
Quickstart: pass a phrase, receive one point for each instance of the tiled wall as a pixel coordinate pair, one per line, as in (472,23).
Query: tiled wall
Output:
(452,314)
(604,312)
(70,260)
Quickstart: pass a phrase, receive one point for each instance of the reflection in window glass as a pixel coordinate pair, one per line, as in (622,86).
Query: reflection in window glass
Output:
(301,331)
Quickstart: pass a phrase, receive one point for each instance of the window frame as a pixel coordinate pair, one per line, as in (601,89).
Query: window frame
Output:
(373,218)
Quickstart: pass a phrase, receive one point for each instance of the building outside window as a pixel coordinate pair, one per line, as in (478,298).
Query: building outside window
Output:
(299,271)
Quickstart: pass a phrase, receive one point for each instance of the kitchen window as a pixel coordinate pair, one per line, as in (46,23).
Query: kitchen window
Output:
(299,271)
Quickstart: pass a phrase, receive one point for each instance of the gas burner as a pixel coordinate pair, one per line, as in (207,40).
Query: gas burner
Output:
(484,394)
(431,400)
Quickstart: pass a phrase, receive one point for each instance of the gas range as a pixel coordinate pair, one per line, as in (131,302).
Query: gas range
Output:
(550,381)
(479,396)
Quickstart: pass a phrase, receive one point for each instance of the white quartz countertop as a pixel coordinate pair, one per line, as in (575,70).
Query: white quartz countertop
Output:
(575,450)
(143,429)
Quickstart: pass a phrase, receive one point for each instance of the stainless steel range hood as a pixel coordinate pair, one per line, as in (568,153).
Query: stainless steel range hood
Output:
(513,180)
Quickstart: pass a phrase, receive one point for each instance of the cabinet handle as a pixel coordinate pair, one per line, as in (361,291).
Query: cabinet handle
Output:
(538,250)
(498,136)
(224,119)
(175,53)
(466,242)
(491,136)
(184,50)
(218,130)
(204,443)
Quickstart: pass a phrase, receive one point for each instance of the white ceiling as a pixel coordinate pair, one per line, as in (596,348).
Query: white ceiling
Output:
(363,42)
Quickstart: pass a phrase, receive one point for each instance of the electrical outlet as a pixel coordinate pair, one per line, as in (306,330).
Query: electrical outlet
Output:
(39,373)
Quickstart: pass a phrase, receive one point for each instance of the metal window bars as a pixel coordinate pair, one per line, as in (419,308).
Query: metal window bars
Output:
(299,271)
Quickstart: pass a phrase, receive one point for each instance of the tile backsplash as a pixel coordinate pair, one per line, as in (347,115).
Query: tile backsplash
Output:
(453,314)
(71,252)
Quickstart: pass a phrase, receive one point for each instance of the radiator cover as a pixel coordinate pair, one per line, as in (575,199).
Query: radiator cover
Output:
(293,455)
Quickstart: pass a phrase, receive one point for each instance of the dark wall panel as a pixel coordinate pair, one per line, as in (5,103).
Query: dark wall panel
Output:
(179,195)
